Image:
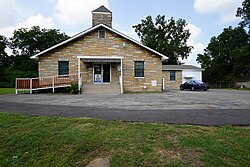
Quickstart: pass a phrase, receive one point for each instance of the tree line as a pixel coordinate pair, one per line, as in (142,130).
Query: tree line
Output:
(227,56)
(23,44)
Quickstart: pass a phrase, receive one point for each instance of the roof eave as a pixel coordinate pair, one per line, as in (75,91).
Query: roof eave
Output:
(93,28)
(66,41)
(137,42)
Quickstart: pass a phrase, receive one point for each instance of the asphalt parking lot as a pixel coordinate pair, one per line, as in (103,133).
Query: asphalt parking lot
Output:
(212,99)
(212,108)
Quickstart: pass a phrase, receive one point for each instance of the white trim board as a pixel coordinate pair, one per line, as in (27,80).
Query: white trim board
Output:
(99,57)
(107,13)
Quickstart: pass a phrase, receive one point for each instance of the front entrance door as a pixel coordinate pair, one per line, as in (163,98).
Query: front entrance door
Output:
(97,73)
(101,73)
(106,73)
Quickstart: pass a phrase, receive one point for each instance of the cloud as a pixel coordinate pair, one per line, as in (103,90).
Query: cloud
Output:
(9,13)
(37,20)
(77,12)
(196,32)
(191,60)
(226,9)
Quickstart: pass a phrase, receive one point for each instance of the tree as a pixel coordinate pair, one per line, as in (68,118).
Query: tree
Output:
(168,37)
(4,58)
(244,13)
(242,63)
(28,42)
(226,56)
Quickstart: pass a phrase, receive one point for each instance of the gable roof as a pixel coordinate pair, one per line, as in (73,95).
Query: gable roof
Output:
(102,9)
(181,67)
(92,29)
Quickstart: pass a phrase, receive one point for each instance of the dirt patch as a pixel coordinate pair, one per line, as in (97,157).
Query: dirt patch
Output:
(189,157)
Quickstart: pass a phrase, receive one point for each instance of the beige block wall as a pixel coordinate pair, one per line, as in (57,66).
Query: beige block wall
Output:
(113,45)
(115,73)
(170,85)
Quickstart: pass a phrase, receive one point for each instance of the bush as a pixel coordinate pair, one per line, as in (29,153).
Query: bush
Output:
(6,85)
(73,89)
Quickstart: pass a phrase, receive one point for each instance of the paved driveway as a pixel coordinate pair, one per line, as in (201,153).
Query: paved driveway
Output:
(215,107)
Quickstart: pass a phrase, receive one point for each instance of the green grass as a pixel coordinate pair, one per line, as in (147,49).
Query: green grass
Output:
(4,91)
(55,141)
(244,89)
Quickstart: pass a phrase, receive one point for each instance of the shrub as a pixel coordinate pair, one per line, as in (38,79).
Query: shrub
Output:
(73,89)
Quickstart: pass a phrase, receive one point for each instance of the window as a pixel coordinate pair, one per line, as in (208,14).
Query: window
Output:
(101,34)
(172,76)
(139,69)
(63,67)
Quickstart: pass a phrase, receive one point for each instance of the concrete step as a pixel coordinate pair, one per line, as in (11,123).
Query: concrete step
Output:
(101,89)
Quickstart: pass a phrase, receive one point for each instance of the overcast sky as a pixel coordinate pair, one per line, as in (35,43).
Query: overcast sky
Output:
(206,18)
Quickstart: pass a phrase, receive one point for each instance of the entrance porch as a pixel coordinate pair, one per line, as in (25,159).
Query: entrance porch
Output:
(100,74)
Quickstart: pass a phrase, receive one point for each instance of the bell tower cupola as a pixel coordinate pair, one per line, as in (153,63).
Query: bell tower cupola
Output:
(102,15)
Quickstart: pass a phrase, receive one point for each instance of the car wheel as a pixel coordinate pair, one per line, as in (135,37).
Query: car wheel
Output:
(192,88)
(181,88)
(204,89)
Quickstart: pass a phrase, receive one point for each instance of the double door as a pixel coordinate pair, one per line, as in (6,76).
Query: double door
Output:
(102,73)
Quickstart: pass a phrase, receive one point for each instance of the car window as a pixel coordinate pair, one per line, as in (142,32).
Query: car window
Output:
(200,82)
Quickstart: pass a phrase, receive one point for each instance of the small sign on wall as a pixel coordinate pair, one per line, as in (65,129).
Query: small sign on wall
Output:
(153,83)
(98,78)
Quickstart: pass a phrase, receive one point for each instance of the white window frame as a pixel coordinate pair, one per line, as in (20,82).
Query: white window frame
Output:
(174,76)
(99,34)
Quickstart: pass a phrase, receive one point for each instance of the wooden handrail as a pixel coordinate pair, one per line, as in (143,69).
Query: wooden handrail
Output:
(45,82)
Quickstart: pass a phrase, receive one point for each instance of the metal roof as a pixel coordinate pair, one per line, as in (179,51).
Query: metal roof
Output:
(180,67)
(102,9)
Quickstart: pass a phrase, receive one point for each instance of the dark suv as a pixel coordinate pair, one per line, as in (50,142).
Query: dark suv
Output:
(194,85)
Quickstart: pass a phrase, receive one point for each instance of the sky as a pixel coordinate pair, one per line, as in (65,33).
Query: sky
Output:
(206,18)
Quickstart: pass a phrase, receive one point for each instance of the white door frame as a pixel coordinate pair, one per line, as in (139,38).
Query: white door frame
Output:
(101,57)
(110,73)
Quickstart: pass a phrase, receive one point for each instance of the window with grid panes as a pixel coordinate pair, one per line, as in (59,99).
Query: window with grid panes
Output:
(139,68)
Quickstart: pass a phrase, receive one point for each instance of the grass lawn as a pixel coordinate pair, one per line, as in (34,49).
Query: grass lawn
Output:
(4,91)
(55,141)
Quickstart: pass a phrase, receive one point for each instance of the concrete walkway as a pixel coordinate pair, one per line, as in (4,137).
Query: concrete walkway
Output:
(211,108)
